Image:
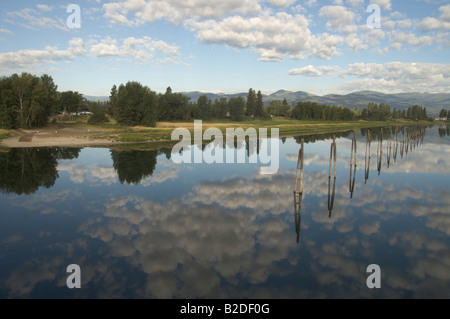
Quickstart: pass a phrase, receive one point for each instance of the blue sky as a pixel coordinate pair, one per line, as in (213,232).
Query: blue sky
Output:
(230,46)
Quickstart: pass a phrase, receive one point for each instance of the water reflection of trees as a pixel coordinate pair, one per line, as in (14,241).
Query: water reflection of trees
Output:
(25,170)
(444,130)
(133,167)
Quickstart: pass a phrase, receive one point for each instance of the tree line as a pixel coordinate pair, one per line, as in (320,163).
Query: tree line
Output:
(382,112)
(30,101)
(135,104)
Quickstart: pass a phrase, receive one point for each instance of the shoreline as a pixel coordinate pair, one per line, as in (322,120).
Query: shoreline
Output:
(81,135)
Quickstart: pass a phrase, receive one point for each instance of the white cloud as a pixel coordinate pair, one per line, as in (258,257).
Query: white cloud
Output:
(442,23)
(144,50)
(106,47)
(324,46)
(176,11)
(384,4)
(31,19)
(6,31)
(307,70)
(411,39)
(272,36)
(390,77)
(355,3)
(445,13)
(26,59)
(44,7)
(281,3)
(339,19)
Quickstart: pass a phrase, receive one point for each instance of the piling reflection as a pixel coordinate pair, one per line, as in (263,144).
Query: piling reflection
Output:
(298,191)
(380,152)
(353,165)
(367,157)
(397,140)
(331,195)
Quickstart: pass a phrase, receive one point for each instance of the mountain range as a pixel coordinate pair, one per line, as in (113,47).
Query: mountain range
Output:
(434,102)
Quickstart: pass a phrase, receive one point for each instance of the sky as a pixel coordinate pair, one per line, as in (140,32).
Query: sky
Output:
(322,47)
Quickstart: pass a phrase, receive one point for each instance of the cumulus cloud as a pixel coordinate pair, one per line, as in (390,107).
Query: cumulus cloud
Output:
(442,23)
(390,77)
(143,50)
(272,36)
(339,19)
(309,70)
(135,12)
(26,59)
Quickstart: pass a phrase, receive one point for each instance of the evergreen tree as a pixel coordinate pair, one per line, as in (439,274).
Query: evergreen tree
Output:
(113,100)
(205,106)
(251,103)
(236,107)
(259,105)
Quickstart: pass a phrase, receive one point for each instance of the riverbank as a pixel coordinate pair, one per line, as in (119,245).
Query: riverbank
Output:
(81,134)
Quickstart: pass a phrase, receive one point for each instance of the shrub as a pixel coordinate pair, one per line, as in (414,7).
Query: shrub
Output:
(98,118)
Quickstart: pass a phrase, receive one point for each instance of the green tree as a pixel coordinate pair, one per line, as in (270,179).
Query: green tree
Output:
(33,102)
(173,106)
(220,108)
(205,107)
(236,106)
(113,99)
(70,102)
(251,103)
(7,112)
(259,105)
(136,105)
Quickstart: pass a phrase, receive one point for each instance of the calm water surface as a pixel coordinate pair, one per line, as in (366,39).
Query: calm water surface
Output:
(141,226)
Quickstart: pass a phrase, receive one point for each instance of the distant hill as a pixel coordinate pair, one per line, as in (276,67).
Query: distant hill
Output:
(434,102)
(96,98)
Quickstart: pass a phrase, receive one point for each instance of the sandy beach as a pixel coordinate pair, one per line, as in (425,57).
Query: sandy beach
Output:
(63,137)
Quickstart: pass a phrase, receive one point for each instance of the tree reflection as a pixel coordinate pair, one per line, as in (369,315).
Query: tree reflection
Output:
(134,166)
(25,170)
(444,130)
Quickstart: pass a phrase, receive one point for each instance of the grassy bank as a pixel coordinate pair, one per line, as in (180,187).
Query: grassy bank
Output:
(286,128)
(159,136)
(4,134)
